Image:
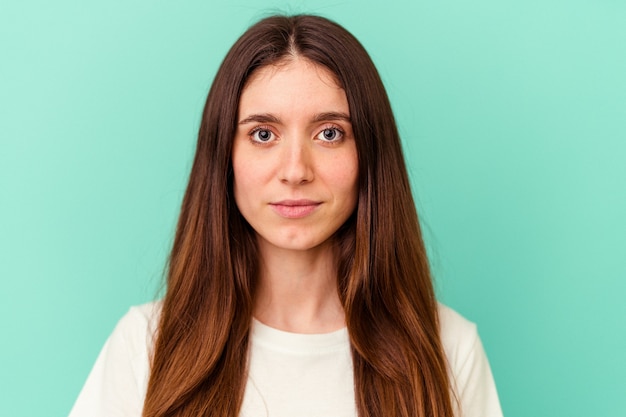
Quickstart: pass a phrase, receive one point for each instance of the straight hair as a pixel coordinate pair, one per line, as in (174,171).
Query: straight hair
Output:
(199,358)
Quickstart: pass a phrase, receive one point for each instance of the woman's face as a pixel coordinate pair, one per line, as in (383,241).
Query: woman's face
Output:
(294,156)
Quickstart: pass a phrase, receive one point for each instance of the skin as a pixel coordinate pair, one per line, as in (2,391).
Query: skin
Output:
(295,181)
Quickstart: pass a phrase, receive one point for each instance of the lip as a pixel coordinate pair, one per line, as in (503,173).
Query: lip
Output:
(295,209)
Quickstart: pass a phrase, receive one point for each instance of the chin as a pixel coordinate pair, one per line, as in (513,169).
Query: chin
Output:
(296,244)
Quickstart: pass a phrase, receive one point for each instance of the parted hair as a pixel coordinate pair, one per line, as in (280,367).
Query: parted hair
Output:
(199,357)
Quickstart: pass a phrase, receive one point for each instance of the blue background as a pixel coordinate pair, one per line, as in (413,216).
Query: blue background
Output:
(513,117)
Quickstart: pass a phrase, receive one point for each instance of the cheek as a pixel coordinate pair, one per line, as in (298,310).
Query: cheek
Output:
(343,172)
(249,172)
(241,165)
(241,184)
(240,179)
(250,175)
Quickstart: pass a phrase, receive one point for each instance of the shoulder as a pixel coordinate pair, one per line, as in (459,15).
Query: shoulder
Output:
(145,314)
(459,338)
(458,334)
(138,326)
(118,380)
(469,370)
(133,336)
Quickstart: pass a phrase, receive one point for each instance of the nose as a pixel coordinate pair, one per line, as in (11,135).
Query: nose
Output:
(296,163)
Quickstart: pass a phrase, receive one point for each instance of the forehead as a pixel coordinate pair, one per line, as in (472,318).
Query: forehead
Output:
(292,85)
(292,63)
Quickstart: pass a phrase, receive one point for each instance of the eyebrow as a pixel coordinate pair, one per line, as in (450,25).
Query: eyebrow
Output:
(260,118)
(331,115)
(270,118)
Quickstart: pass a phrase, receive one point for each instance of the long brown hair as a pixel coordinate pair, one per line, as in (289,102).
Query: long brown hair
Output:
(199,360)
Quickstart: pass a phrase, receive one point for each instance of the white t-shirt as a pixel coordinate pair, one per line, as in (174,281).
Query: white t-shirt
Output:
(291,375)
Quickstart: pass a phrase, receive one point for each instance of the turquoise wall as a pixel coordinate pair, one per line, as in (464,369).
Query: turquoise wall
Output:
(513,115)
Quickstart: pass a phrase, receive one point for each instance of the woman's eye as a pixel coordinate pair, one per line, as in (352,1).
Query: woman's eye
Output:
(330,135)
(262,135)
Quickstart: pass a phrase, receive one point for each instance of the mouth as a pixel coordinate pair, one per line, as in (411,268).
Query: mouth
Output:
(295,209)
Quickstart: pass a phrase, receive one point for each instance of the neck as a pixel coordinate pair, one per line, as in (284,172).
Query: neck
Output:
(297,290)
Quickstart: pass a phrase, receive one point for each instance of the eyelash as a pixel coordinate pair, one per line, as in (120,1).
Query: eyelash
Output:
(340,132)
(257,130)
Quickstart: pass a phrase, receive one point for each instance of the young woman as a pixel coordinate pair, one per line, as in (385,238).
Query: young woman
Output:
(298,283)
